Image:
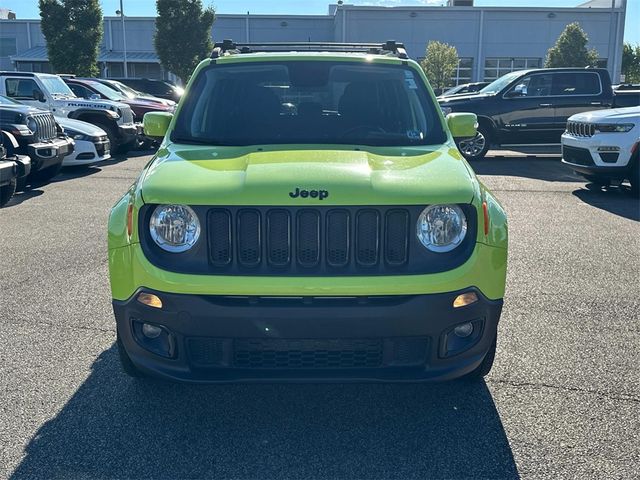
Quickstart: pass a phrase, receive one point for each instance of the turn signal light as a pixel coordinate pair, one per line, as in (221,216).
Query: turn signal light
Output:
(465,299)
(485,211)
(150,300)
(130,219)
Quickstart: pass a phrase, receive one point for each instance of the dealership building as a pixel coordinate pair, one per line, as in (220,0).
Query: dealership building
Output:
(491,41)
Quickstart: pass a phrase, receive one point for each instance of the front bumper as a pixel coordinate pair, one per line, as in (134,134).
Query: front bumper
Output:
(7,172)
(23,165)
(216,338)
(88,153)
(52,152)
(129,132)
(584,154)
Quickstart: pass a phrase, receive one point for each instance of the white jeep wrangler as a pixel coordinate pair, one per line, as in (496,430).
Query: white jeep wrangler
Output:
(50,92)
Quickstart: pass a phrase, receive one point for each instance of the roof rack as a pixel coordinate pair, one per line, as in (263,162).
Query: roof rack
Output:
(389,48)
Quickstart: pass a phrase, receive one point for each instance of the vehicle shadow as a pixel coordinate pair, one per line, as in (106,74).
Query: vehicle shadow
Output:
(23,195)
(616,200)
(118,427)
(549,169)
(69,173)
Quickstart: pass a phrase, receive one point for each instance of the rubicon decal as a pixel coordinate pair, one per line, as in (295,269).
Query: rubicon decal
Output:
(319,194)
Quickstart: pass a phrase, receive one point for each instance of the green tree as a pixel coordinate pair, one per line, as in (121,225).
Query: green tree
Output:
(439,64)
(570,49)
(183,35)
(73,31)
(631,63)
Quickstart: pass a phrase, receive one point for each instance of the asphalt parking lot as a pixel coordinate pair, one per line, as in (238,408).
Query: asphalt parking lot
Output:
(562,400)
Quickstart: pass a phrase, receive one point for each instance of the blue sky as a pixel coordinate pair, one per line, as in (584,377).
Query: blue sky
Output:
(29,8)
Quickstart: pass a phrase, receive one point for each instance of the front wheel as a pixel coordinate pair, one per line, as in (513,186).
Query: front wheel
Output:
(125,362)
(477,147)
(46,174)
(485,367)
(598,180)
(7,192)
(635,177)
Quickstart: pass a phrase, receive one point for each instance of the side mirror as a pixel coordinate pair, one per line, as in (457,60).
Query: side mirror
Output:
(156,124)
(38,95)
(517,91)
(462,125)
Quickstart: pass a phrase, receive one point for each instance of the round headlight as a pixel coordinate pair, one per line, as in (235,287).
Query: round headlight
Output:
(441,228)
(175,228)
(33,126)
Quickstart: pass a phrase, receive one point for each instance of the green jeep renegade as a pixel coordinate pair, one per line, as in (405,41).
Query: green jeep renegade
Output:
(309,217)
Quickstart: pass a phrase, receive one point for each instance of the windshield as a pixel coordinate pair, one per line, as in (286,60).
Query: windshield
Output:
(128,91)
(454,90)
(319,102)
(500,83)
(7,101)
(56,86)
(110,93)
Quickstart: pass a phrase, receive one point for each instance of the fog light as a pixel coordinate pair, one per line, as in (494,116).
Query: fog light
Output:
(465,299)
(462,331)
(150,299)
(608,149)
(152,331)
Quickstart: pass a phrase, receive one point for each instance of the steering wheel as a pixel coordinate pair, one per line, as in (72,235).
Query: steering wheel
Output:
(365,128)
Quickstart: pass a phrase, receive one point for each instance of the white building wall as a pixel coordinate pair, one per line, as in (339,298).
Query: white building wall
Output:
(478,33)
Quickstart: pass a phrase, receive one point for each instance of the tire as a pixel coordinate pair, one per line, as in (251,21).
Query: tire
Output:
(7,192)
(635,177)
(125,362)
(477,147)
(485,367)
(111,134)
(21,184)
(46,174)
(598,180)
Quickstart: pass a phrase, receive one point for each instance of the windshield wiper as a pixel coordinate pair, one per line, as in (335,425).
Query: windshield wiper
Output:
(195,141)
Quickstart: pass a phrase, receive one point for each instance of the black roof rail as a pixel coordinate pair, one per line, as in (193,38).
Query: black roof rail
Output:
(390,47)
(17,74)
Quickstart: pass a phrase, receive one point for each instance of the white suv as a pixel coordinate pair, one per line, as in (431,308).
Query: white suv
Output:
(50,92)
(603,145)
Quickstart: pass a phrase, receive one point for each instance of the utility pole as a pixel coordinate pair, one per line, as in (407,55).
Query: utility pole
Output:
(124,39)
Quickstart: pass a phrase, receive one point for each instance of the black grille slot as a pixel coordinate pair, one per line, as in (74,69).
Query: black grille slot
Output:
(206,352)
(367,237)
(249,238)
(308,240)
(307,354)
(220,244)
(338,226)
(278,238)
(577,156)
(396,237)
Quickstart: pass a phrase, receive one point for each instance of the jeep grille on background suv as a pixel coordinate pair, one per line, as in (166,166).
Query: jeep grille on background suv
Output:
(45,126)
(581,129)
(127,115)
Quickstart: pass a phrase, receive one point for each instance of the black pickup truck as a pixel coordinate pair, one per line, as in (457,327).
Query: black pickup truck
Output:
(532,106)
(33,132)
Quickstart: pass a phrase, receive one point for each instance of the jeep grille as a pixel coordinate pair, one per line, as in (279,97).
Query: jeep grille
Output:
(45,127)
(581,129)
(127,115)
(308,241)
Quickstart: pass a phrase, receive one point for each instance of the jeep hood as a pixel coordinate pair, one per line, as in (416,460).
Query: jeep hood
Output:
(613,115)
(265,176)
